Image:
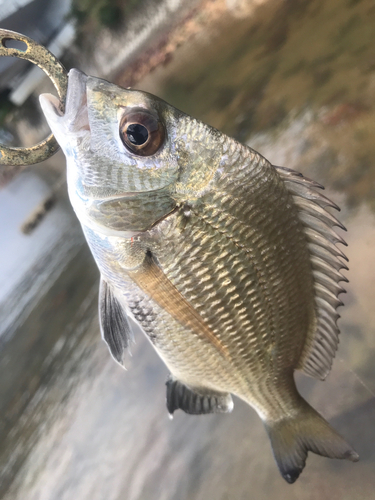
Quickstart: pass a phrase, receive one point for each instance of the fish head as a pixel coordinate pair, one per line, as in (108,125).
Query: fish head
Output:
(131,157)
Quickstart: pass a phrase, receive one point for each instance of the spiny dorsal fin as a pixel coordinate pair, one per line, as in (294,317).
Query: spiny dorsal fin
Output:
(181,397)
(114,325)
(320,350)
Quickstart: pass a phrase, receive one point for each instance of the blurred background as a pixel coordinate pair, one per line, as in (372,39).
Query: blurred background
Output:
(294,79)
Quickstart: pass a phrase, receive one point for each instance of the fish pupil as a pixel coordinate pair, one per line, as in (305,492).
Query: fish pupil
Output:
(137,134)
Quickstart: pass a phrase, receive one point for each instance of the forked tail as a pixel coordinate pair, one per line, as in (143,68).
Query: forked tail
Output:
(293,436)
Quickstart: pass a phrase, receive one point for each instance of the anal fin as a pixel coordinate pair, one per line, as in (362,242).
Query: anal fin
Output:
(179,396)
(114,324)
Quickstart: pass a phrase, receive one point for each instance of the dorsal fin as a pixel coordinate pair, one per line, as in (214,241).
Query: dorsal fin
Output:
(114,325)
(316,359)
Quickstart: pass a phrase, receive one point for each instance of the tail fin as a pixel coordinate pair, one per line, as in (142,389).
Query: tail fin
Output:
(292,437)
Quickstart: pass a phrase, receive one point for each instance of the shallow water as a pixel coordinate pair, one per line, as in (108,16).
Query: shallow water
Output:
(296,80)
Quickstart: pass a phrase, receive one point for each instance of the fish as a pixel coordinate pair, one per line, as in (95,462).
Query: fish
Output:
(228,264)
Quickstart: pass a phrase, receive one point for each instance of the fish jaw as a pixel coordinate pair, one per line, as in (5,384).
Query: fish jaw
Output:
(72,132)
(73,124)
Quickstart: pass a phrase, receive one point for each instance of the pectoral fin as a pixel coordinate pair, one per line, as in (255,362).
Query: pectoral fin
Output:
(114,325)
(207,401)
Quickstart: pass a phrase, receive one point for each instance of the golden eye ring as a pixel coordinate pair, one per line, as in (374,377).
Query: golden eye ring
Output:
(141,132)
(39,55)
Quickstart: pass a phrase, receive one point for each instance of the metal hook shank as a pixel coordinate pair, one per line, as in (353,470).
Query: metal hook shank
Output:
(43,58)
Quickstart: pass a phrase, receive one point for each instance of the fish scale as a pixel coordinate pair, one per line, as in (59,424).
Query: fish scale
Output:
(228,264)
(204,253)
(270,273)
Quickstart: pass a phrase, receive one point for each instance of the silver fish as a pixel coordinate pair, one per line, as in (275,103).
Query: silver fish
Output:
(228,263)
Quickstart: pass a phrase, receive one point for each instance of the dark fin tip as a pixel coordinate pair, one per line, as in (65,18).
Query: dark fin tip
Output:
(293,437)
(292,475)
(343,256)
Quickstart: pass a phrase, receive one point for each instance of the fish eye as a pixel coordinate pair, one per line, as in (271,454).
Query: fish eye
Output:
(141,132)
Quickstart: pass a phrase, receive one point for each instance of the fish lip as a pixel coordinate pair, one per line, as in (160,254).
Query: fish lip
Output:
(76,112)
(75,117)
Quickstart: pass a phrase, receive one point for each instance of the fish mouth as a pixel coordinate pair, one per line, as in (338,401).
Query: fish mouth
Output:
(75,118)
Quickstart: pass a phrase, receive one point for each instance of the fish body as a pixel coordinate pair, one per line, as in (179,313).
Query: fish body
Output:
(228,263)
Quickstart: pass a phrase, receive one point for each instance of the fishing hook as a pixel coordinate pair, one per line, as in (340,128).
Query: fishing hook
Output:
(43,58)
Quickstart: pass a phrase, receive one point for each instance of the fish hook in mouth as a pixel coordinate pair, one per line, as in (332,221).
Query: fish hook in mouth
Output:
(75,117)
